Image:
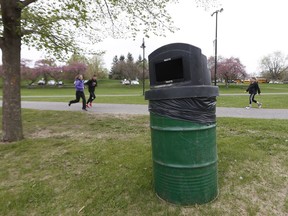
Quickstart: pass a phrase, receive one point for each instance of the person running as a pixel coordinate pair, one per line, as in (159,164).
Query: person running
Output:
(79,87)
(253,89)
(92,83)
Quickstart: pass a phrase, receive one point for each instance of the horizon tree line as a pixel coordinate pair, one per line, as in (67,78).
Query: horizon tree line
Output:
(128,68)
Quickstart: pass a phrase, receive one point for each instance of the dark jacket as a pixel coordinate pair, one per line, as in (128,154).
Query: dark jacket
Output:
(91,85)
(253,88)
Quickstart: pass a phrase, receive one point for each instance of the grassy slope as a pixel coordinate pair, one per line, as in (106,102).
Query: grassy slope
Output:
(86,164)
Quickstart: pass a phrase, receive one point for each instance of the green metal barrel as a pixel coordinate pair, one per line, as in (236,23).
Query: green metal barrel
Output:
(184,157)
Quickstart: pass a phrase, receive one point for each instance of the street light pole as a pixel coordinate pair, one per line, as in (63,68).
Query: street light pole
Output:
(143,73)
(215,65)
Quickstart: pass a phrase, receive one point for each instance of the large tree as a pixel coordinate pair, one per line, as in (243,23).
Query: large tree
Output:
(274,66)
(227,68)
(61,27)
(27,73)
(125,68)
(96,67)
(118,68)
(10,43)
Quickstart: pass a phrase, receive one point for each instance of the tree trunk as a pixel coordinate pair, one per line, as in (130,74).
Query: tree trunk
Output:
(11,49)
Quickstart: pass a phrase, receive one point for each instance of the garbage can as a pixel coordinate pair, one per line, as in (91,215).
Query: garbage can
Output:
(182,105)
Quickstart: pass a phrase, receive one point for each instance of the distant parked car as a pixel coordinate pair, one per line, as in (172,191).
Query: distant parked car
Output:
(51,82)
(60,83)
(276,82)
(41,82)
(125,82)
(134,82)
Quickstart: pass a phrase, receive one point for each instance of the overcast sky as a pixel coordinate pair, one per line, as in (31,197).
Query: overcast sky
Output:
(247,29)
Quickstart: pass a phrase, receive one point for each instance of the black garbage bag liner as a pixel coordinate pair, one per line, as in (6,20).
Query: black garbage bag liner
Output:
(197,109)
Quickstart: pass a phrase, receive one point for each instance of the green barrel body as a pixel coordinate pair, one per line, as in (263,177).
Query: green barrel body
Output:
(184,157)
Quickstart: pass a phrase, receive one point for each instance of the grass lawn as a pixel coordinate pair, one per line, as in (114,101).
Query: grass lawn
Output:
(111,91)
(87,164)
(273,96)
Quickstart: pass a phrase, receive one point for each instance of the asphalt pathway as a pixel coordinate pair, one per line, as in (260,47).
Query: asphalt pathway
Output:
(135,109)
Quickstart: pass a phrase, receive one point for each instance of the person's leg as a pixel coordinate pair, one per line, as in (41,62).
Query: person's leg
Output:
(252,98)
(250,101)
(255,101)
(78,95)
(92,95)
(82,95)
(90,98)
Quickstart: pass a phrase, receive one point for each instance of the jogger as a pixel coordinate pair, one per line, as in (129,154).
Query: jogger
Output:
(92,83)
(79,86)
(253,89)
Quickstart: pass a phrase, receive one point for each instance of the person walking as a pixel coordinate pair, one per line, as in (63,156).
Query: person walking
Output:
(253,89)
(92,83)
(79,87)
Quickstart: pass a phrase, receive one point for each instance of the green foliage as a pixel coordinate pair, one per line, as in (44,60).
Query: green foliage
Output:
(87,164)
(70,26)
(96,67)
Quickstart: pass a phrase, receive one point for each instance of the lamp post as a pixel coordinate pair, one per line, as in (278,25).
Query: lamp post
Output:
(215,73)
(143,82)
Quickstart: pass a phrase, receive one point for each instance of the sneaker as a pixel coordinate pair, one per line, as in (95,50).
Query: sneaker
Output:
(87,105)
(248,107)
(90,104)
(259,105)
(84,109)
(69,104)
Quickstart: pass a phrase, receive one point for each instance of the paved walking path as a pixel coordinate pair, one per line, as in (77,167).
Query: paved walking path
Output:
(143,110)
